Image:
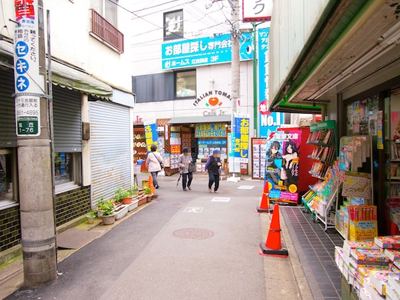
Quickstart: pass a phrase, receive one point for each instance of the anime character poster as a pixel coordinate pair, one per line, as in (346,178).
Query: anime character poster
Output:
(282,165)
(273,166)
(291,141)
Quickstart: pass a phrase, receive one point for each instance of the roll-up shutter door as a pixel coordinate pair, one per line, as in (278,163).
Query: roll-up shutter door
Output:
(110,146)
(8,137)
(67,120)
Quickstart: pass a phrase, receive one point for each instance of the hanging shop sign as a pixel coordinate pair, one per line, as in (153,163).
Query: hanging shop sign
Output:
(282,165)
(29,84)
(257,10)
(213,102)
(151,134)
(210,130)
(203,51)
(242,139)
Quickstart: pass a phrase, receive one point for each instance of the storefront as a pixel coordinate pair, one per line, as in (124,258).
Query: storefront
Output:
(353,78)
(202,135)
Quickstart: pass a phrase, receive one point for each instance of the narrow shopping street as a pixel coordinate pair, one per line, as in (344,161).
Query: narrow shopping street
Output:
(183,245)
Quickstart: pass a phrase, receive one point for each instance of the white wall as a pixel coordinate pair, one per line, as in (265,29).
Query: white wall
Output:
(221,75)
(292,24)
(70,40)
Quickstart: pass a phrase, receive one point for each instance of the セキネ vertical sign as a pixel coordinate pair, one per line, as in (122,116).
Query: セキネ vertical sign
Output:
(29,84)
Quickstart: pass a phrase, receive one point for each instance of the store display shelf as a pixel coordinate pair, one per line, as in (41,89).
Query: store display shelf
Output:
(323,214)
(395,160)
(315,175)
(341,234)
(318,144)
(394,178)
(314,158)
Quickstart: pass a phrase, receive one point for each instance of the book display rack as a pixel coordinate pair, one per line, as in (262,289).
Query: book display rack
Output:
(319,199)
(356,186)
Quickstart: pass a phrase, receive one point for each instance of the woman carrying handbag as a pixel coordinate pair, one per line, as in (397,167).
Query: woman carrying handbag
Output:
(154,164)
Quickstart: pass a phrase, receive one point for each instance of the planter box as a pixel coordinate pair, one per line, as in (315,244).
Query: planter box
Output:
(142,200)
(149,197)
(127,200)
(108,220)
(120,212)
(133,205)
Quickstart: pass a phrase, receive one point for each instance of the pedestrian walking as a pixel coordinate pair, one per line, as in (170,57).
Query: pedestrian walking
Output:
(213,165)
(154,164)
(185,160)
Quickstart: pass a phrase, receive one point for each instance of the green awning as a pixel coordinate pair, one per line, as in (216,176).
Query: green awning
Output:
(200,119)
(70,78)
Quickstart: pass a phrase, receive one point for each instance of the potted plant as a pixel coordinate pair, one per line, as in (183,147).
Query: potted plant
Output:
(135,200)
(123,196)
(99,205)
(148,193)
(90,216)
(108,213)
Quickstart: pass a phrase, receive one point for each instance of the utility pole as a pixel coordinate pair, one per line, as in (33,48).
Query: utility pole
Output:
(235,69)
(34,146)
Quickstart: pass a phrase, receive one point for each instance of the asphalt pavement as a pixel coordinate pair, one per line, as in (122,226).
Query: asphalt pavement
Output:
(183,245)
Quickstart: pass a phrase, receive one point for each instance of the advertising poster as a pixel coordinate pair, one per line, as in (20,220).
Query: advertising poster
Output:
(151,134)
(282,166)
(242,139)
(268,122)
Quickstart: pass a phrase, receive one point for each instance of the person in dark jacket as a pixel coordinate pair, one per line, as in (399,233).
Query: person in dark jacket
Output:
(213,165)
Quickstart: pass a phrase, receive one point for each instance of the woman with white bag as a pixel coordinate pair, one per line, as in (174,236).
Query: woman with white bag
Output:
(154,164)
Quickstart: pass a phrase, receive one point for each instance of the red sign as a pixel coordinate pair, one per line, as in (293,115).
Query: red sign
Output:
(263,108)
(24,9)
(175,149)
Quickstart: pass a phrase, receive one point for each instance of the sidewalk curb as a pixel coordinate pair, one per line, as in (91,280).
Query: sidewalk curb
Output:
(287,271)
(11,264)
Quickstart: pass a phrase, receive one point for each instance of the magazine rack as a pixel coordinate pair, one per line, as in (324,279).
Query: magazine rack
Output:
(356,165)
(323,137)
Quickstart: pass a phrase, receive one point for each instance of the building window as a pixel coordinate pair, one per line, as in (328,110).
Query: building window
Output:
(67,166)
(7,174)
(173,25)
(185,84)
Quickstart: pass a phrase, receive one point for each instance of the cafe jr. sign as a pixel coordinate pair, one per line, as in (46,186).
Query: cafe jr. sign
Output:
(213,102)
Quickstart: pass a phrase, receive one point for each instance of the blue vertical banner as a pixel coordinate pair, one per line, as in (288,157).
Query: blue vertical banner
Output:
(151,134)
(242,139)
(268,122)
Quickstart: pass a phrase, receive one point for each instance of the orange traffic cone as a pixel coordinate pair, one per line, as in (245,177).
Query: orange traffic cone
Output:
(273,244)
(151,185)
(264,205)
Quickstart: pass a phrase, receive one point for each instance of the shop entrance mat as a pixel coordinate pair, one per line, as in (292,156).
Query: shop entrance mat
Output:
(316,251)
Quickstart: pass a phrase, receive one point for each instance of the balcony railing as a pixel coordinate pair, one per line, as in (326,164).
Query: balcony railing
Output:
(107,32)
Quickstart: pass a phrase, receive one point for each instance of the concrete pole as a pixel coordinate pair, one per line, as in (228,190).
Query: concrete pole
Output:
(36,191)
(235,69)
(235,55)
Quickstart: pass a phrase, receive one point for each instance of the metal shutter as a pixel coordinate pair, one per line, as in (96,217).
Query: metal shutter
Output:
(110,147)
(8,137)
(67,120)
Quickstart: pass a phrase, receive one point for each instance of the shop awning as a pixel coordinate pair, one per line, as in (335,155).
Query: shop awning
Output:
(65,76)
(200,119)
